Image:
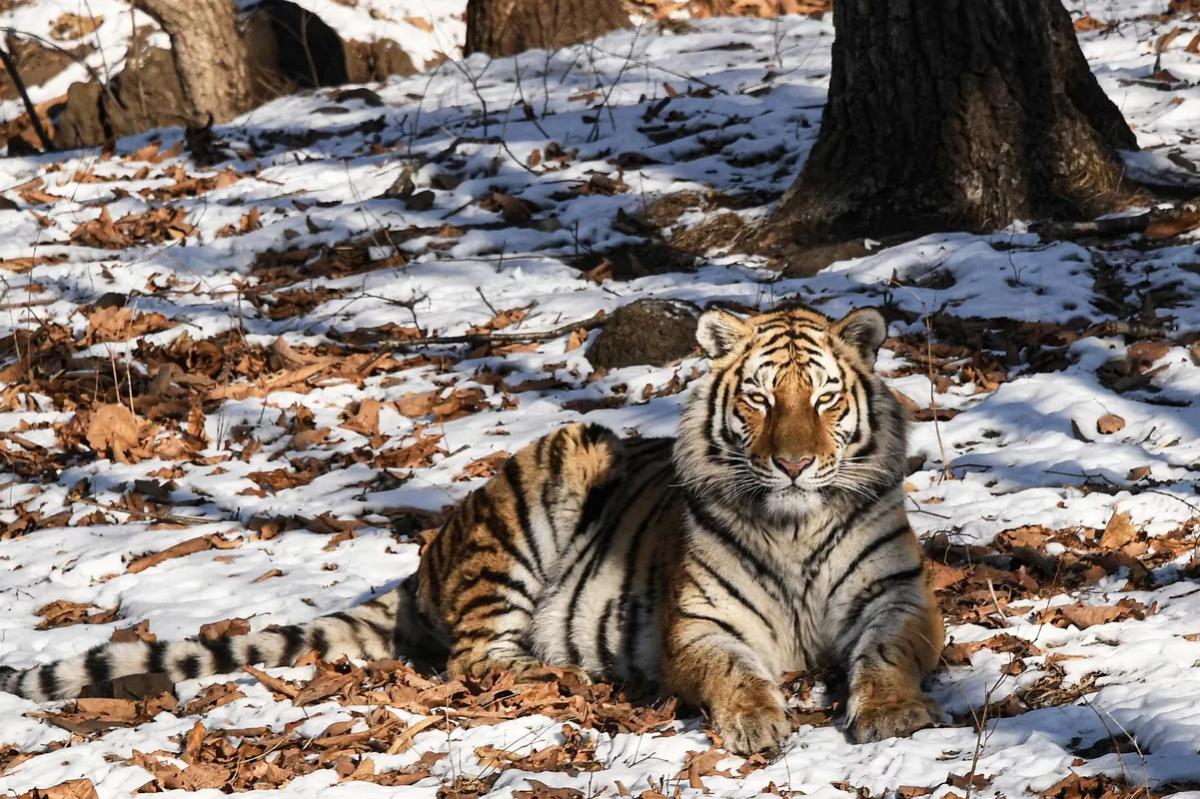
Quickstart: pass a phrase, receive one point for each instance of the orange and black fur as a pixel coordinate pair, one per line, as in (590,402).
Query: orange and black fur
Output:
(770,536)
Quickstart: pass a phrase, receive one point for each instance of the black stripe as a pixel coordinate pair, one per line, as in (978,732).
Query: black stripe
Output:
(552,480)
(385,634)
(773,340)
(833,537)
(713,395)
(724,535)
(696,583)
(879,587)
(871,426)
(293,640)
(348,619)
(867,551)
(189,667)
(730,589)
(222,652)
(512,471)
(631,605)
(599,545)
(502,535)
(432,575)
(97,665)
(481,601)
(156,661)
(724,625)
(318,641)
(48,680)
(500,611)
(253,655)
(509,582)
(607,656)
(466,635)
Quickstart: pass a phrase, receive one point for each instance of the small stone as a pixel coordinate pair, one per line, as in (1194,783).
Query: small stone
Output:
(653,332)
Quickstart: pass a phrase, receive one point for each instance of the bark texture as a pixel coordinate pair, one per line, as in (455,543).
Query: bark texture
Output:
(507,27)
(210,56)
(951,114)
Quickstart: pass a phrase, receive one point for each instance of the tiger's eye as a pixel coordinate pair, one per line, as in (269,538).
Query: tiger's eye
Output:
(827,398)
(758,399)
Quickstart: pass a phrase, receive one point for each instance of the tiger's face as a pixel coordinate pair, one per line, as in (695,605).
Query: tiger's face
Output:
(788,411)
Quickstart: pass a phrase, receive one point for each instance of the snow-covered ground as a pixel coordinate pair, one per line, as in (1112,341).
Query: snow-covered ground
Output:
(255,314)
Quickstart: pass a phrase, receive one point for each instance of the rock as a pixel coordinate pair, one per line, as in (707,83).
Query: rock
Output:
(809,260)
(632,261)
(147,95)
(375,61)
(79,125)
(653,332)
(36,63)
(1109,423)
(360,94)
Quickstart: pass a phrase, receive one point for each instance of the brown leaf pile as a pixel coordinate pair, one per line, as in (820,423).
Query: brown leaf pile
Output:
(155,226)
(120,323)
(114,432)
(61,613)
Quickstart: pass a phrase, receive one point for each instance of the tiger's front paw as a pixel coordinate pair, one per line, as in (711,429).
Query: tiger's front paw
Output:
(893,717)
(751,717)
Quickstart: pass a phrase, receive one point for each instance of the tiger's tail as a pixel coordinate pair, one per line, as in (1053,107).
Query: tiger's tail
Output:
(386,627)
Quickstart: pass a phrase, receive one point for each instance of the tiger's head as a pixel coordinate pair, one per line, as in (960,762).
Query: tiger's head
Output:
(791,412)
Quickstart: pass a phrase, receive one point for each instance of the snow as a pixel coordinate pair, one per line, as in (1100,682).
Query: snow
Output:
(689,99)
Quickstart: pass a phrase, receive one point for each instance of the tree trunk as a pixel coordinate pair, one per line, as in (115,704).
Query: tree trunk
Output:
(507,27)
(953,114)
(209,54)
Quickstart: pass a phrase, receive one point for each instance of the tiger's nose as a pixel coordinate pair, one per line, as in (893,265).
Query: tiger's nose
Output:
(793,469)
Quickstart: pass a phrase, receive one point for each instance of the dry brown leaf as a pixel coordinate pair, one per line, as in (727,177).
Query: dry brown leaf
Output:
(1109,423)
(486,466)
(324,685)
(1084,616)
(192,742)
(309,438)
(70,26)
(61,613)
(576,339)
(366,419)
(943,576)
(192,545)
(130,635)
(1138,473)
(272,683)
(113,430)
(414,456)
(1088,23)
(119,323)
(71,789)
(1118,532)
(122,710)
(226,628)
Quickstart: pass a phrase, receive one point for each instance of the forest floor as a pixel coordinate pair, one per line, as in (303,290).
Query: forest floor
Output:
(219,404)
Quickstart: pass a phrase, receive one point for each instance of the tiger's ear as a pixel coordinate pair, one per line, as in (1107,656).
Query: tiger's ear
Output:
(719,331)
(864,329)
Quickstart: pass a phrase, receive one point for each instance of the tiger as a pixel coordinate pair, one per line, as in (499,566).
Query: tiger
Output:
(768,537)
